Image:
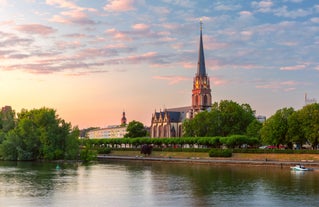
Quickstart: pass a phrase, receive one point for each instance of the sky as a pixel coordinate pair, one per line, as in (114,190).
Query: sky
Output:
(92,60)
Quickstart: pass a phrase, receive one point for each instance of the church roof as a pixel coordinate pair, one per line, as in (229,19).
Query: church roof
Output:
(175,116)
(201,69)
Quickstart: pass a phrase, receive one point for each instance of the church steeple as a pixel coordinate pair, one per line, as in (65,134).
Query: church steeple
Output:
(201,93)
(123,120)
(201,69)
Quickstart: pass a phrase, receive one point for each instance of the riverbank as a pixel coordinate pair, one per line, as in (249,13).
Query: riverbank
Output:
(282,160)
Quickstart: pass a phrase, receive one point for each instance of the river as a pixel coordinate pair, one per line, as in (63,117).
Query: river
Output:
(129,183)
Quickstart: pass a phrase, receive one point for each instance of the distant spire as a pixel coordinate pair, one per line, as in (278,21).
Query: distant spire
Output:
(123,120)
(201,69)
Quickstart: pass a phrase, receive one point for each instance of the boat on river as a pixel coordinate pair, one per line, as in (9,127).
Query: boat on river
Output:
(300,168)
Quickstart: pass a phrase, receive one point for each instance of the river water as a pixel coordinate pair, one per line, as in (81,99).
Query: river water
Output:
(121,183)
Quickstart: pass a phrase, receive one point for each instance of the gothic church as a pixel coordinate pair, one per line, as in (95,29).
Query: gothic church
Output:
(168,123)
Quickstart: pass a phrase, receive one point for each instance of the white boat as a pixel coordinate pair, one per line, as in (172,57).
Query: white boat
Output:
(300,168)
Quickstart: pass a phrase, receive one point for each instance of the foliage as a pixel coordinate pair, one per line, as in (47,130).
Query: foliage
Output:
(87,155)
(162,143)
(224,119)
(253,129)
(238,140)
(275,129)
(104,150)
(7,119)
(220,153)
(309,123)
(288,127)
(40,134)
(135,129)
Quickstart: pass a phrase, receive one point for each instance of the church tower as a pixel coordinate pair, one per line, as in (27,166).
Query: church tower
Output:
(123,120)
(201,93)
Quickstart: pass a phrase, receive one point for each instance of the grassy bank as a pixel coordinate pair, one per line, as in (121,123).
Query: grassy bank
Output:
(236,156)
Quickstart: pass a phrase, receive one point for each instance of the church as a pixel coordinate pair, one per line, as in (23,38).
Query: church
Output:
(168,123)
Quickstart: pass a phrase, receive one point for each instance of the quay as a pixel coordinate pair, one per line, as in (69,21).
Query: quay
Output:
(217,161)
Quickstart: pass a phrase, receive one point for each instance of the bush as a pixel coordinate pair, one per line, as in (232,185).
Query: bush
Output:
(220,153)
(104,150)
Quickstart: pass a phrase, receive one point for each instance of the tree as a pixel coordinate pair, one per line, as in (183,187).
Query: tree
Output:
(135,129)
(295,133)
(253,129)
(309,124)
(7,119)
(40,134)
(275,129)
(224,119)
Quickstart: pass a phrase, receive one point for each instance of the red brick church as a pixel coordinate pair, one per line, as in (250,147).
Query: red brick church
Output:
(168,123)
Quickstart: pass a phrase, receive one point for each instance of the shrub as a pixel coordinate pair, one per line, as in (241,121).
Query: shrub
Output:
(104,150)
(220,153)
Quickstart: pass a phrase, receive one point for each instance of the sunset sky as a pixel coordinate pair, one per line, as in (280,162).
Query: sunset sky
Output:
(92,59)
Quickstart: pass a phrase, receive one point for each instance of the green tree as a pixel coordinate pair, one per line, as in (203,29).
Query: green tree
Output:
(135,129)
(40,134)
(224,119)
(295,132)
(275,128)
(7,119)
(253,129)
(309,123)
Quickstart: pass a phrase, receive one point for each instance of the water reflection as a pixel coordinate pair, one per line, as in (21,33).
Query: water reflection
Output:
(154,184)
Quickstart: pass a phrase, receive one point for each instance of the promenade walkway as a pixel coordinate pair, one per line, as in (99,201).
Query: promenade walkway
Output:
(217,161)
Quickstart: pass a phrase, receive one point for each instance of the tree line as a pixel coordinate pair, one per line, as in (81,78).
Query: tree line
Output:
(286,127)
(36,134)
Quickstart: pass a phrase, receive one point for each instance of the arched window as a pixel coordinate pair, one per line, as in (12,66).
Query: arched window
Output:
(205,100)
(196,100)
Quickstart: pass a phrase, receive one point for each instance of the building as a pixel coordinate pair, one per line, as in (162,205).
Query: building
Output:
(168,123)
(116,131)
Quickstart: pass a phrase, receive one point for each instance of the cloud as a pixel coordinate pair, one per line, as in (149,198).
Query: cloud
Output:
(118,35)
(216,81)
(74,17)
(10,40)
(140,27)
(35,29)
(141,58)
(119,5)
(3,3)
(279,85)
(172,80)
(229,7)
(283,12)
(62,4)
(295,67)
(262,6)
(75,14)
(315,20)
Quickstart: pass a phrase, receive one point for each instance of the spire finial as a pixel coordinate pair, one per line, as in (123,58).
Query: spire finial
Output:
(201,24)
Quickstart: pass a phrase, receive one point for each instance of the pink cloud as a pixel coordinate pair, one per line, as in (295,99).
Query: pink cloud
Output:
(142,57)
(172,80)
(62,3)
(315,20)
(295,67)
(119,5)
(118,35)
(75,14)
(212,44)
(140,27)
(218,81)
(277,85)
(35,29)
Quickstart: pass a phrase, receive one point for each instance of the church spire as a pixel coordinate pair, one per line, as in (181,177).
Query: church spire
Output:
(201,93)
(201,69)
